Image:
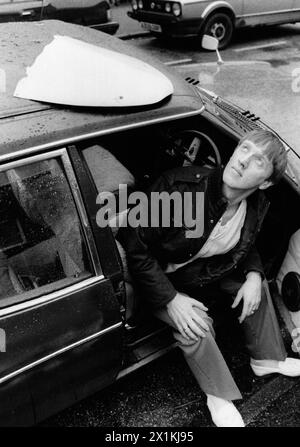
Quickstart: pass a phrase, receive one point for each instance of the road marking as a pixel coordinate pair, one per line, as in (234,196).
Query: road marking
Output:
(258,47)
(180,61)
(226,65)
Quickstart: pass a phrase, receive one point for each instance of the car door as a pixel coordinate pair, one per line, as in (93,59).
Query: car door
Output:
(21,5)
(62,4)
(60,317)
(296,7)
(260,12)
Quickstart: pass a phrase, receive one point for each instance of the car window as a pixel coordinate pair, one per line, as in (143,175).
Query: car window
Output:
(42,247)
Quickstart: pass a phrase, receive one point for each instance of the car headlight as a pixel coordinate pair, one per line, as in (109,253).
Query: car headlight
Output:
(176,9)
(140,4)
(134,5)
(167,7)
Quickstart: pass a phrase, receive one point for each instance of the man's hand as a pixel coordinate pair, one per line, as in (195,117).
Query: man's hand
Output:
(188,321)
(251,294)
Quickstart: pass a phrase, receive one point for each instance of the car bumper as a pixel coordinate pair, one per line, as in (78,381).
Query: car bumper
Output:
(170,25)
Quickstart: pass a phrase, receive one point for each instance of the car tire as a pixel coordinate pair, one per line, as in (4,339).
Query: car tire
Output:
(219,25)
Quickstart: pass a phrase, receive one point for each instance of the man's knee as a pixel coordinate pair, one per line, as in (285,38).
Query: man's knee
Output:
(183,341)
(204,315)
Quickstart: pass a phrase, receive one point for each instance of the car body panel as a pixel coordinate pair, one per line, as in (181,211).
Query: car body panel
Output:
(69,125)
(53,385)
(16,404)
(13,7)
(234,6)
(69,4)
(59,325)
(267,6)
(269,12)
(296,5)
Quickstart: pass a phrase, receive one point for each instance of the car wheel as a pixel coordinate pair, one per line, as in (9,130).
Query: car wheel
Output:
(219,25)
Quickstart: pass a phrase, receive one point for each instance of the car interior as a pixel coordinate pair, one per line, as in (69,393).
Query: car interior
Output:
(137,157)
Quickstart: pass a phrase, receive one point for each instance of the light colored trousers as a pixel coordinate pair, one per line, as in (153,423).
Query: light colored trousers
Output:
(263,341)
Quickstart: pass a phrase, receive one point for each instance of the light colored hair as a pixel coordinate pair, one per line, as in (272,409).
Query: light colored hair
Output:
(273,148)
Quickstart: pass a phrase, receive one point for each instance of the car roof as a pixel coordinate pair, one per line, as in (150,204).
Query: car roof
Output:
(26,124)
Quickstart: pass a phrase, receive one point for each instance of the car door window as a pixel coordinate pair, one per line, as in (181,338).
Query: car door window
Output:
(42,246)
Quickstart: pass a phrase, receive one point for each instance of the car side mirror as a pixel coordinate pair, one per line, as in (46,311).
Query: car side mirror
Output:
(212,44)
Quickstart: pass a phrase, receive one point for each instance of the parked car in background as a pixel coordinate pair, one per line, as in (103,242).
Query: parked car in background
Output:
(71,320)
(93,13)
(217,18)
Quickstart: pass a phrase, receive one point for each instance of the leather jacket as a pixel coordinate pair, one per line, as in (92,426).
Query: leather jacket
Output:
(150,249)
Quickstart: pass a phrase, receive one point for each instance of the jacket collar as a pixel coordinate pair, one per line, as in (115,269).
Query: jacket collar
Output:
(214,185)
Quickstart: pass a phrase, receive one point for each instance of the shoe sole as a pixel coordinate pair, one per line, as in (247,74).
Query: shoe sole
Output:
(265,372)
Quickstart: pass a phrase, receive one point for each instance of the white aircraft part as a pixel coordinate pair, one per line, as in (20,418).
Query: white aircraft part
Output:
(72,72)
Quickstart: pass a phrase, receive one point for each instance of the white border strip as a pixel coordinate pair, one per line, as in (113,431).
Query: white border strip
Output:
(180,61)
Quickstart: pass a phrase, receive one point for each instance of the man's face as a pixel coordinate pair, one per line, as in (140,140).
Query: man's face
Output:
(248,168)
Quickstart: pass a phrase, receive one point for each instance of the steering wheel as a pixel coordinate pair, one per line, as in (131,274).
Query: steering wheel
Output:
(194,147)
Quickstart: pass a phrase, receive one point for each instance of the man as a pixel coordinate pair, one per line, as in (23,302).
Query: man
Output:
(176,272)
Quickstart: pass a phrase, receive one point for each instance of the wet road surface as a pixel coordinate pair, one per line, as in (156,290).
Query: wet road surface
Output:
(260,73)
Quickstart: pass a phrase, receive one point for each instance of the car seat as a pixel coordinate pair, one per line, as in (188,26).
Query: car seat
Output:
(111,176)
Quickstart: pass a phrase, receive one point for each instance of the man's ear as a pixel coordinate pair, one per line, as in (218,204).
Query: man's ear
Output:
(266,184)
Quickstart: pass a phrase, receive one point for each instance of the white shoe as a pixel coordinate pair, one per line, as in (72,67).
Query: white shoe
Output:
(289,367)
(225,416)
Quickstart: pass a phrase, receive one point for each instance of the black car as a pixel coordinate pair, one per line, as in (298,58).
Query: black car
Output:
(93,13)
(71,320)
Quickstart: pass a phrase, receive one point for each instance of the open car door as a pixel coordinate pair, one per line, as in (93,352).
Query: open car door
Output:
(60,316)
